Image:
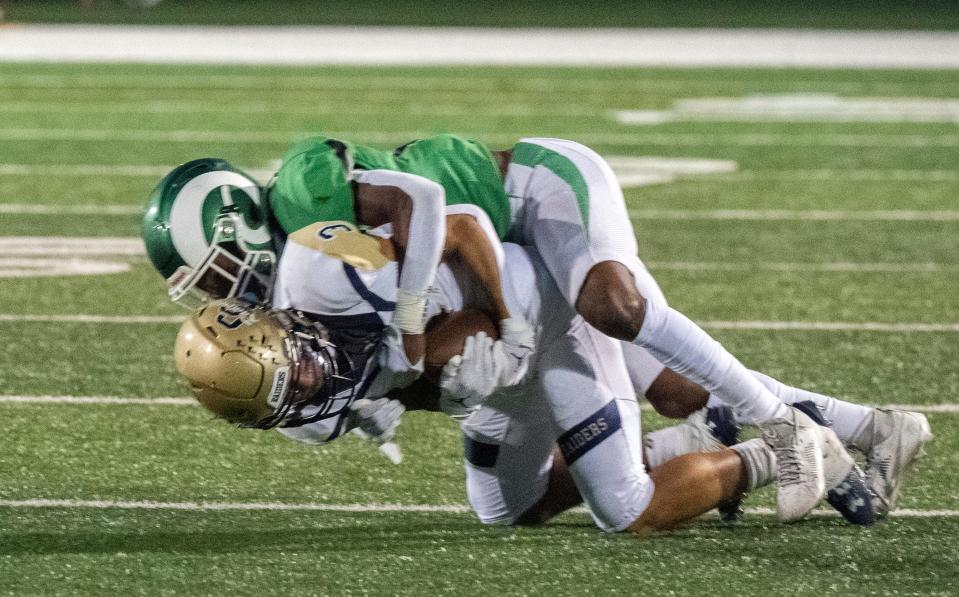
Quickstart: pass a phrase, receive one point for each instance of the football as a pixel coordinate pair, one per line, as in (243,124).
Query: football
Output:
(447,333)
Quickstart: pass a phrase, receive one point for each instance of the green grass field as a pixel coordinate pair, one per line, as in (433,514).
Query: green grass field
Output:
(853,14)
(81,147)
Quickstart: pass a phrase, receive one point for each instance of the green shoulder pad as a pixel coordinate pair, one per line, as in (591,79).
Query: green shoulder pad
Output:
(313,185)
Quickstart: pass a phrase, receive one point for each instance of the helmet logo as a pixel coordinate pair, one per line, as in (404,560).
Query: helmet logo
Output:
(342,241)
(329,232)
(188,230)
(233,315)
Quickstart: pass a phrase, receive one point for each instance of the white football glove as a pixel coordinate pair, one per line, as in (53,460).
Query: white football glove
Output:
(468,380)
(518,342)
(396,371)
(377,420)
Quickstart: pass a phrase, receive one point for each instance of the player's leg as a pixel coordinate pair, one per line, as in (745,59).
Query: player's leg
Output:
(574,213)
(845,483)
(892,440)
(561,494)
(675,396)
(508,446)
(690,485)
(669,393)
(581,376)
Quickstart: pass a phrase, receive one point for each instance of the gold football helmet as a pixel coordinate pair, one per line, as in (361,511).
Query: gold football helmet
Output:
(260,367)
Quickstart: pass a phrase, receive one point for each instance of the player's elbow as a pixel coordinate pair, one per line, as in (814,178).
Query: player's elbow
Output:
(462,227)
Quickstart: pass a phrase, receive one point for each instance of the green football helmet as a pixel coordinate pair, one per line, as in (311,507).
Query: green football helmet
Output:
(205,230)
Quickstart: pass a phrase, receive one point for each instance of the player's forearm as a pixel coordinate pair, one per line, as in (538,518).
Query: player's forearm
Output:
(467,240)
(419,229)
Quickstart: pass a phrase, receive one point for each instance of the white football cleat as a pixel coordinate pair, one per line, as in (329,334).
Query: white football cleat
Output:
(836,461)
(846,489)
(798,444)
(898,438)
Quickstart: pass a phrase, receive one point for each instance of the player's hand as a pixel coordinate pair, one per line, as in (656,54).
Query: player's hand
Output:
(378,418)
(518,344)
(396,370)
(468,380)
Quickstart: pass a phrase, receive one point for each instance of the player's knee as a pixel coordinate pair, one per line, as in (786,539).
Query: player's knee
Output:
(620,317)
(610,302)
(675,397)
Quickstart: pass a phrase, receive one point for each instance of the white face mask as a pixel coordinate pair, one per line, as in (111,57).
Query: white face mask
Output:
(229,270)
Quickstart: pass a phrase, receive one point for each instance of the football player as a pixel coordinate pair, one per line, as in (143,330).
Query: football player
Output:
(563,199)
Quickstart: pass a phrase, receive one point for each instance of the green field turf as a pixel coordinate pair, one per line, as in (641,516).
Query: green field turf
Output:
(92,137)
(854,14)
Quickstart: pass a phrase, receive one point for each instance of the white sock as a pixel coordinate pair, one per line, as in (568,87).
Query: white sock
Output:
(760,463)
(677,440)
(847,419)
(681,345)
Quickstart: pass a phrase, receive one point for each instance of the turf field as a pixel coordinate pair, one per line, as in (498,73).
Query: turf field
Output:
(826,255)
(852,14)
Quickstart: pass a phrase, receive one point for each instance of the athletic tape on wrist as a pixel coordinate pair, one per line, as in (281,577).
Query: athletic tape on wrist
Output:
(410,314)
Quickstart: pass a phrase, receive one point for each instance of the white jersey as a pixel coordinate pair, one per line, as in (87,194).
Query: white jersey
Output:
(577,394)
(334,271)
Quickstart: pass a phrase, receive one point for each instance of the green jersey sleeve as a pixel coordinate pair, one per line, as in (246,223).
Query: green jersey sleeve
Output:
(313,185)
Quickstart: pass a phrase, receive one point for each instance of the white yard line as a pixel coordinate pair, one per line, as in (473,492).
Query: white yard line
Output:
(800,107)
(70,246)
(830,267)
(902,513)
(58,267)
(627,139)
(368,106)
(822,215)
(347,508)
(98,319)
(82,170)
(831,326)
(102,400)
(830,174)
(947,408)
(926,408)
(56,209)
(353,81)
(477,46)
(228,506)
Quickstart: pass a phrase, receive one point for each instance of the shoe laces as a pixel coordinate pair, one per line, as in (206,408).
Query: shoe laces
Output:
(790,471)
